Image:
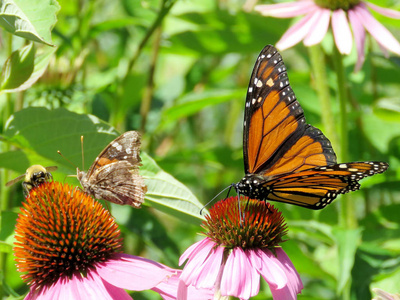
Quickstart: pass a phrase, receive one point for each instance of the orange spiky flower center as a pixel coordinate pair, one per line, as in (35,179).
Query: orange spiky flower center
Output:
(261,225)
(62,231)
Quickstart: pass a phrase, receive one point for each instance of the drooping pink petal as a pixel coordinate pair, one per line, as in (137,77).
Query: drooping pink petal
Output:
(255,280)
(79,288)
(286,10)
(394,14)
(210,269)
(269,267)
(359,37)
(91,287)
(194,267)
(169,290)
(294,282)
(196,247)
(341,32)
(376,29)
(115,292)
(244,283)
(133,272)
(298,31)
(319,28)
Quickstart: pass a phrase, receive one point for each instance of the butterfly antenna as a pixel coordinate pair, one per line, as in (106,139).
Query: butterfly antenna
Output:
(228,187)
(83,157)
(59,152)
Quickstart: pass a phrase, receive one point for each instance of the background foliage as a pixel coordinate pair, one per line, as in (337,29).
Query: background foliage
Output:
(178,72)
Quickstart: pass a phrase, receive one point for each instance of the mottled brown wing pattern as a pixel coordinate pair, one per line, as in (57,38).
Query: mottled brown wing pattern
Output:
(114,175)
(118,182)
(126,147)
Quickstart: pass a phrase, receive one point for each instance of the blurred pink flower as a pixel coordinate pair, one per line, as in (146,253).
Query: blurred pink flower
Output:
(231,259)
(313,27)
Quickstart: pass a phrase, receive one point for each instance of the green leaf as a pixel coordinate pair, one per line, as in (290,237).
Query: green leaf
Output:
(45,131)
(347,240)
(168,194)
(23,68)
(14,160)
(30,19)
(194,102)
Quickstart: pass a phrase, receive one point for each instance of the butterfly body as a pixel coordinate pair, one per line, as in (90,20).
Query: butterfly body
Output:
(114,175)
(286,159)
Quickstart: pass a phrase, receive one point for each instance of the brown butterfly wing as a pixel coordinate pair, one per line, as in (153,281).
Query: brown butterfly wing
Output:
(276,137)
(114,175)
(120,183)
(126,147)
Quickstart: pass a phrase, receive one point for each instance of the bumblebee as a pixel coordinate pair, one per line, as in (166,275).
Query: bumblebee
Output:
(34,176)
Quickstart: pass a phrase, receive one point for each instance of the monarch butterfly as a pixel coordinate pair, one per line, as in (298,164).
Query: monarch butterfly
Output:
(286,159)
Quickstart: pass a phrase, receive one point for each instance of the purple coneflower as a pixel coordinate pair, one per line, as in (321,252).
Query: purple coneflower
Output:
(341,13)
(234,254)
(67,246)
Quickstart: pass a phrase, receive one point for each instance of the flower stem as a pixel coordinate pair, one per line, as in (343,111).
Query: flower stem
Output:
(347,216)
(318,66)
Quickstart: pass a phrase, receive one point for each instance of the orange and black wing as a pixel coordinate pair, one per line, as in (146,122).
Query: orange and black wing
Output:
(276,138)
(315,188)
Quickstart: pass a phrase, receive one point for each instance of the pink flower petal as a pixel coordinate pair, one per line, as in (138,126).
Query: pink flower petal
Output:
(210,269)
(194,267)
(341,31)
(133,272)
(79,288)
(196,247)
(286,10)
(359,37)
(173,287)
(246,281)
(394,14)
(168,289)
(269,267)
(294,282)
(318,30)
(298,31)
(376,29)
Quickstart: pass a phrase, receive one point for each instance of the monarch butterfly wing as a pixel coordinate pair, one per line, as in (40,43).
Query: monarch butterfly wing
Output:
(276,137)
(311,150)
(318,187)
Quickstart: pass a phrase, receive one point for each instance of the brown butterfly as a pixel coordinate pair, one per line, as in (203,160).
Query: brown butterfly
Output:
(114,175)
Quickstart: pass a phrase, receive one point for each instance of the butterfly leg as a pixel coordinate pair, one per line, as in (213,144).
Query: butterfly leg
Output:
(240,210)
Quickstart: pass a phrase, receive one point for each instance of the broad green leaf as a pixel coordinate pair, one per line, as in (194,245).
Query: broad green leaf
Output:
(14,160)
(45,131)
(347,240)
(30,19)
(194,102)
(168,194)
(24,67)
